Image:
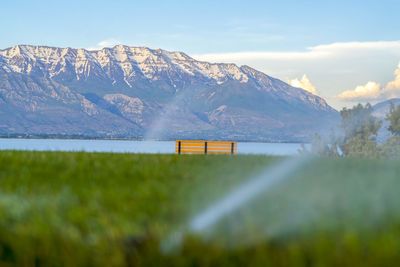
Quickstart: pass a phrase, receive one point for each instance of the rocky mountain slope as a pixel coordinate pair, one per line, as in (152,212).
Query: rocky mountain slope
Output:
(137,92)
(381,109)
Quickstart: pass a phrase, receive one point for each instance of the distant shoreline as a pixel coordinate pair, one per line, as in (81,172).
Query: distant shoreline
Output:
(79,137)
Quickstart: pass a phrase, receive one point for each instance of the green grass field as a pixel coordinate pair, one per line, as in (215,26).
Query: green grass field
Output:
(94,209)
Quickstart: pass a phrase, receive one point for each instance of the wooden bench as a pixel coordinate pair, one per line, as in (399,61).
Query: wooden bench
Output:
(205,147)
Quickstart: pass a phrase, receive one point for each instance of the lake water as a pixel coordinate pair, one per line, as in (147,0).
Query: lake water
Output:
(124,146)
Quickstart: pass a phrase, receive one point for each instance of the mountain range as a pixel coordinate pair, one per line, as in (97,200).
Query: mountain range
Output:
(138,92)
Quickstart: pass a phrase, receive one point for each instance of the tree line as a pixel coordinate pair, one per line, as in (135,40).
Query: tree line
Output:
(358,135)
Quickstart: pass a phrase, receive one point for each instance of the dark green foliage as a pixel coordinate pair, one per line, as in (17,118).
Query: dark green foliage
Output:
(93,209)
(359,135)
(394,118)
(358,121)
(391,148)
(359,128)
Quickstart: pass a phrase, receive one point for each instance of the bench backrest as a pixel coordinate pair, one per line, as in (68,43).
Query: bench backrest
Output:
(205,147)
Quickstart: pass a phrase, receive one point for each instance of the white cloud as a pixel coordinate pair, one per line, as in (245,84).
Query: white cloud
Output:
(311,53)
(105,43)
(395,84)
(345,46)
(303,83)
(237,56)
(371,90)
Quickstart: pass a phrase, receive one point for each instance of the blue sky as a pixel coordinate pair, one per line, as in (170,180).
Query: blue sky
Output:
(227,30)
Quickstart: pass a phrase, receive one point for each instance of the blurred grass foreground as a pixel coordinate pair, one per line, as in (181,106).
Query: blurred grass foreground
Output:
(94,209)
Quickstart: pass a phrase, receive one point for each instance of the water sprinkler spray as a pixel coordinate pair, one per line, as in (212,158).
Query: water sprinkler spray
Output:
(237,198)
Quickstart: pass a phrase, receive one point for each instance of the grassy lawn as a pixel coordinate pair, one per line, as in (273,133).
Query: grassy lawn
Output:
(95,209)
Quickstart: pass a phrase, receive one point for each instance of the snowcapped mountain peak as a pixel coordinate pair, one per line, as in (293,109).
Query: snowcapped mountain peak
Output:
(11,52)
(15,51)
(131,61)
